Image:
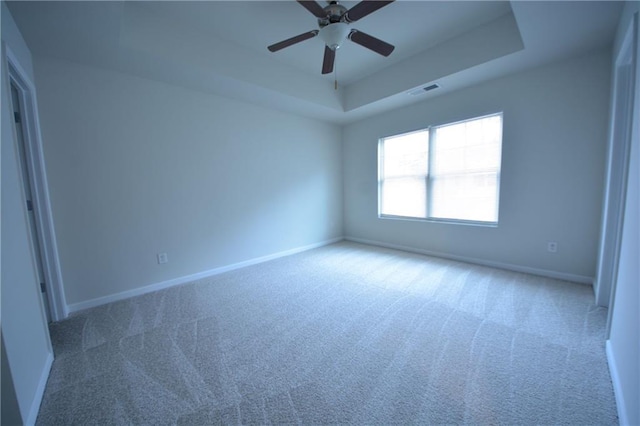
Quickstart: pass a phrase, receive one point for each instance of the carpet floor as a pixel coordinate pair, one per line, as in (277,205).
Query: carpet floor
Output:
(346,333)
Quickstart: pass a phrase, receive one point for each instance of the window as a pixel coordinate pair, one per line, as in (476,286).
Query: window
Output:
(447,172)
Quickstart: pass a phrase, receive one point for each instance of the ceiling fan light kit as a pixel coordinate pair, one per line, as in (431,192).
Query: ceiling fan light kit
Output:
(335,34)
(334,29)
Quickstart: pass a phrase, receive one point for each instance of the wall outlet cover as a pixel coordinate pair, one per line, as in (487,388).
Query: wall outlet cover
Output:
(162,258)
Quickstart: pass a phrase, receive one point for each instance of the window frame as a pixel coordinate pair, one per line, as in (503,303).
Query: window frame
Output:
(429,180)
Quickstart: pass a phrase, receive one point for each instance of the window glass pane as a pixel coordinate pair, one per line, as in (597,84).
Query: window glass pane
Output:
(406,155)
(465,197)
(404,197)
(470,145)
(465,170)
(403,180)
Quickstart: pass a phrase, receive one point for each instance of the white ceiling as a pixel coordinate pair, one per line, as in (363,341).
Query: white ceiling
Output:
(220,46)
(410,26)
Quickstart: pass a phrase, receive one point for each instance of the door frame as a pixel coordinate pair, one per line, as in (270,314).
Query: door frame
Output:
(618,152)
(40,188)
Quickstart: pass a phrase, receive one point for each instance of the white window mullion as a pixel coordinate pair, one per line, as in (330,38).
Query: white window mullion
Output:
(429,169)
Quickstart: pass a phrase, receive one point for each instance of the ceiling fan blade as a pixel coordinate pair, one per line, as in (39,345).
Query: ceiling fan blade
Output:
(293,40)
(364,8)
(329,59)
(371,43)
(313,7)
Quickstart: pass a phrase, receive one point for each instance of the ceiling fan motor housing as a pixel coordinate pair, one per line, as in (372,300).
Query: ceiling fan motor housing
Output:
(334,12)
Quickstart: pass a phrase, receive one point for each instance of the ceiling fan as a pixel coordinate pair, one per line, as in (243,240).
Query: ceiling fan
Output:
(334,20)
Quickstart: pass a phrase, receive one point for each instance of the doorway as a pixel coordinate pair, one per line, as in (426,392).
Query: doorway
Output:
(27,185)
(617,171)
(36,194)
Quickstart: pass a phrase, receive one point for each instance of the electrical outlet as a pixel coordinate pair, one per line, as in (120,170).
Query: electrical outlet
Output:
(552,247)
(163,258)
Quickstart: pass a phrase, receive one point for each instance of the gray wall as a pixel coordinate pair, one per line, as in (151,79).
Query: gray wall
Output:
(10,408)
(138,167)
(624,340)
(554,137)
(24,329)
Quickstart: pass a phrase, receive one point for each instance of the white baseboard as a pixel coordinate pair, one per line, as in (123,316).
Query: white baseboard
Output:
(42,384)
(510,267)
(617,387)
(193,277)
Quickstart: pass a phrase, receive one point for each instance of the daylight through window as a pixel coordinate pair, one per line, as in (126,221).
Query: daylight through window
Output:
(447,172)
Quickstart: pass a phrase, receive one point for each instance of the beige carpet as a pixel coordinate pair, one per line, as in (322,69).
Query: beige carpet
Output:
(346,333)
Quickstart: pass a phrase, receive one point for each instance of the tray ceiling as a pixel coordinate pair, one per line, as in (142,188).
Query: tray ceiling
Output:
(220,46)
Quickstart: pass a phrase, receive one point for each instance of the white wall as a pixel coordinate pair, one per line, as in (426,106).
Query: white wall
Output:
(554,136)
(137,167)
(24,330)
(624,340)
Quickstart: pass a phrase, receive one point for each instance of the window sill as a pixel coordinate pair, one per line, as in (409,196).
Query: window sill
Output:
(441,221)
